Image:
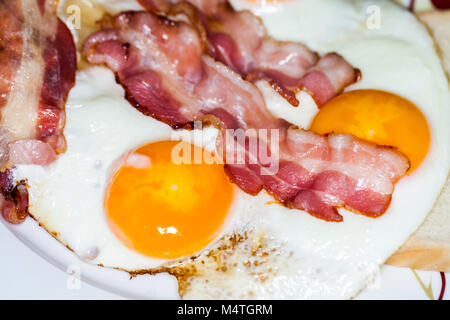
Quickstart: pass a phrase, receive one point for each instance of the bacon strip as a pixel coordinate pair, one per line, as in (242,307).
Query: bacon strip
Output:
(13,199)
(161,65)
(239,40)
(36,74)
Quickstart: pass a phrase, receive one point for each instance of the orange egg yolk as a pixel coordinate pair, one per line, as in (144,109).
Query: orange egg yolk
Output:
(166,210)
(381,117)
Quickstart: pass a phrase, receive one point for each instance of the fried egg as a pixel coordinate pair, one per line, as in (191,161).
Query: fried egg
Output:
(107,197)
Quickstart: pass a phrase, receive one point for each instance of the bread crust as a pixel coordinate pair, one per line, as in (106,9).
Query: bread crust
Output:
(422,255)
(429,247)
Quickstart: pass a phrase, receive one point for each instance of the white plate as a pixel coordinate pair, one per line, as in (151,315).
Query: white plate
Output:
(25,275)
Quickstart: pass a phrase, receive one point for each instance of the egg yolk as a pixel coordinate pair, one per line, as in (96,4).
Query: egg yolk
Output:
(166,210)
(378,116)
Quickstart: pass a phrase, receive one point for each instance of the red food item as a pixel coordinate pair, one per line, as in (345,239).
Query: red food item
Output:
(166,74)
(441,4)
(13,199)
(239,40)
(36,74)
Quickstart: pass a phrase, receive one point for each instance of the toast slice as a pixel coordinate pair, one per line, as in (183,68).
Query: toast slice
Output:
(429,247)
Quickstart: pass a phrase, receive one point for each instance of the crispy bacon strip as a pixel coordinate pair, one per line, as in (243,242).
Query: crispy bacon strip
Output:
(161,65)
(37,70)
(13,199)
(239,40)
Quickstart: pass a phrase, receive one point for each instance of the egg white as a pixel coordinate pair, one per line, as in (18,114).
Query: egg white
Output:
(309,258)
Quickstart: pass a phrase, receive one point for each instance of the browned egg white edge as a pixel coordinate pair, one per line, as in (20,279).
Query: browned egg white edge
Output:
(185,269)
